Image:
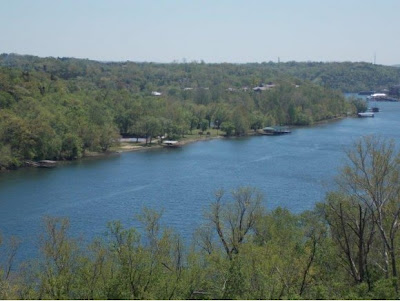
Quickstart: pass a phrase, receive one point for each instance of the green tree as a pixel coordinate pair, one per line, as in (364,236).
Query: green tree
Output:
(241,121)
(71,147)
(257,121)
(7,287)
(234,221)
(228,127)
(57,275)
(204,125)
(149,127)
(372,177)
(353,230)
(359,104)
(6,158)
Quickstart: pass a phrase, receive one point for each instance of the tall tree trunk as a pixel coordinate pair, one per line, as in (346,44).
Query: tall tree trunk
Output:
(310,261)
(386,260)
(361,259)
(394,267)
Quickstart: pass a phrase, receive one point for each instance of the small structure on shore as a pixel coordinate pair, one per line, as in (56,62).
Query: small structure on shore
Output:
(47,163)
(366,114)
(275,130)
(42,163)
(171,143)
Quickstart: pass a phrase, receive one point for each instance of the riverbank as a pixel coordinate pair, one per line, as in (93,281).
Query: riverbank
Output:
(187,139)
(191,138)
(130,147)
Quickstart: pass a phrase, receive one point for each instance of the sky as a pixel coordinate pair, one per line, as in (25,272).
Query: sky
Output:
(214,31)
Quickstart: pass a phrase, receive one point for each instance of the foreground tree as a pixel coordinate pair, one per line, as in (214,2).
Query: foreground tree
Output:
(352,229)
(233,221)
(6,267)
(372,178)
(60,260)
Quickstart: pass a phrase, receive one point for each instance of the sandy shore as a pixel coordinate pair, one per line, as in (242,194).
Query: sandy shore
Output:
(132,146)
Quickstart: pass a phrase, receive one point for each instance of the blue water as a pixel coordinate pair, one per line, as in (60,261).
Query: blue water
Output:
(293,171)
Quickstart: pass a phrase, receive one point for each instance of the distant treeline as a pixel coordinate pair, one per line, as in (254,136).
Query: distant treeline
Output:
(344,76)
(59,108)
(346,248)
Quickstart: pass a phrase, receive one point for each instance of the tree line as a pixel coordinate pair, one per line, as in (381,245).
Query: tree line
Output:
(62,108)
(345,248)
(343,76)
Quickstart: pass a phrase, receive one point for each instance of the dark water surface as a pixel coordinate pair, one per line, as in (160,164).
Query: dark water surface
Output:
(292,171)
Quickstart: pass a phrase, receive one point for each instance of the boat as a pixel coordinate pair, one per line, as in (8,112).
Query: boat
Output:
(47,163)
(373,109)
(41,164)
(275,130)
(381,97)
(366,114)
(171,143)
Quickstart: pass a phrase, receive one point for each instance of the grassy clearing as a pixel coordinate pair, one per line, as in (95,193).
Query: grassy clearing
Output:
(188,138)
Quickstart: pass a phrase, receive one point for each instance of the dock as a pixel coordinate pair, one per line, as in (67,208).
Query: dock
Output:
(365,114)
(171,143)
(275,130)
(41,163)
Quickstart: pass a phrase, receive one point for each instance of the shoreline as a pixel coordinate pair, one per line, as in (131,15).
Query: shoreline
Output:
(125,147)
(128,147)
(131,147)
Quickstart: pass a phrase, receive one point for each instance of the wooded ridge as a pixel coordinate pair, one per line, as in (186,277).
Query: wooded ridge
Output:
(60,108)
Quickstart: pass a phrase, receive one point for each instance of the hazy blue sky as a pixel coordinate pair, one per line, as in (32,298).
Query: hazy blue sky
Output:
(209,30)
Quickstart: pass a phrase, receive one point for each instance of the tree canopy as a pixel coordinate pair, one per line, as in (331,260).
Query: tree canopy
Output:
(61,108)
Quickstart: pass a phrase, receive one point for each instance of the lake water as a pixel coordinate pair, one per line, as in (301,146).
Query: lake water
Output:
(292,171)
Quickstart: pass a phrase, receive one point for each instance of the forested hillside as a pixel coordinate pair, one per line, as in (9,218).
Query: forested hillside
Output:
(344,76)
(347,76)
(60,108)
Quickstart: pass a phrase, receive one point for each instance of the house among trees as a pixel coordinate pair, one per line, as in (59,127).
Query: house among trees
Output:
(155,93)
(264,87)
(259,88)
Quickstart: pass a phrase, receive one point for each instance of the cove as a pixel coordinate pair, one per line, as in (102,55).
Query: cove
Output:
(293,171)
